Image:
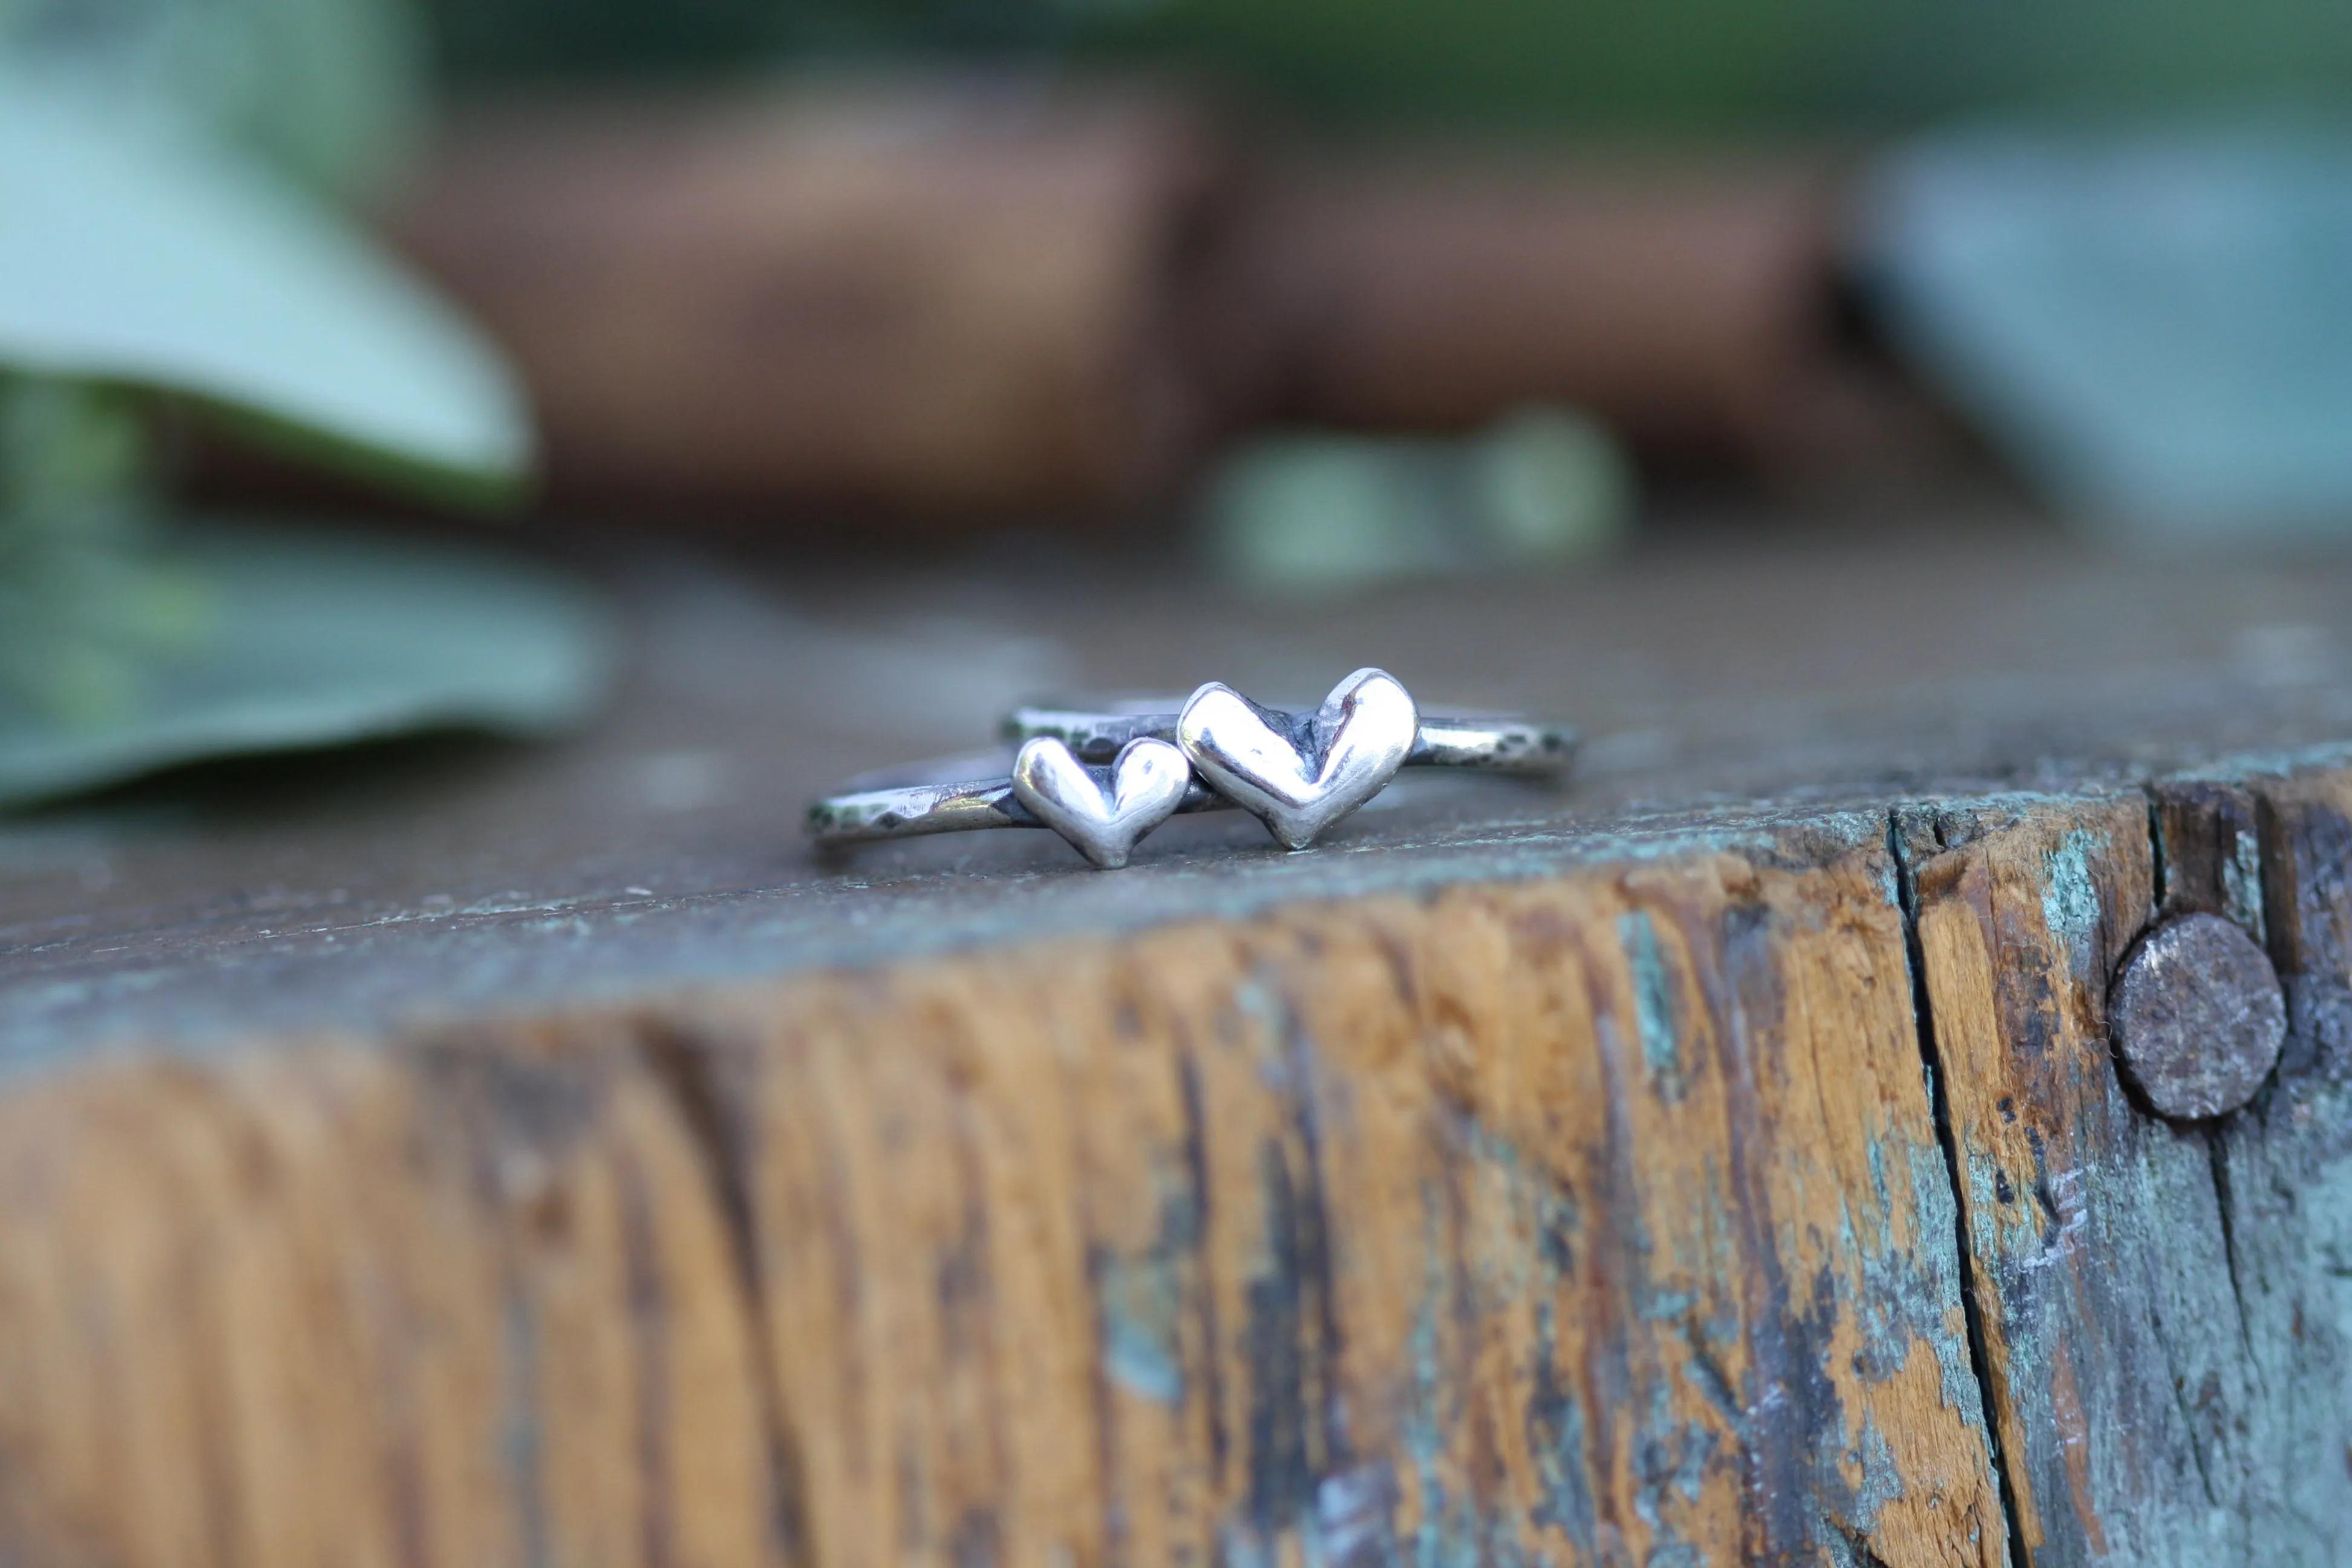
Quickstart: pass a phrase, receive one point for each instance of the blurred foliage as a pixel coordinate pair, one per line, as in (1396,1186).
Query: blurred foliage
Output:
(134,253)
(1302,515)
(138,255)
(331,91)
(82,602)
(503,38)
(155,239)
(1697,66)
(318,637)
(1719,66)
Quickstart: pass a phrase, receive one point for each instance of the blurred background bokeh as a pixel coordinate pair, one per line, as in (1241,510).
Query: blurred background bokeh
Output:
(1304,298)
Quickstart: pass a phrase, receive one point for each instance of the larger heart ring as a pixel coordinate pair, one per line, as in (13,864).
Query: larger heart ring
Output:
(1300,774)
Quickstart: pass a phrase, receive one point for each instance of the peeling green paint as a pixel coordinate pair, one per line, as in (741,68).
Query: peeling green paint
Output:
(1654,1006)
(1139,1299)
(1139,1302)
(1937,1217)
(1882,1477)
(1555,1422)
(1670,1460)
(2241,883)
(2069,898)
(1445,1535)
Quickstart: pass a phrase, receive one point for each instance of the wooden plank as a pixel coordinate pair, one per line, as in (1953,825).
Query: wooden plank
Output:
(1597,1218)
(2160,1320)
(487,1165)
(2096,1239)
(470,1301)
(2207,844)
(2283,1167)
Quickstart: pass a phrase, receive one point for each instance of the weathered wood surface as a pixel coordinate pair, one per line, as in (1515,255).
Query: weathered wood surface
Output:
(2096,1242)
(2165,1324)
(2283,1172)
(508,1163)
(1589,1219)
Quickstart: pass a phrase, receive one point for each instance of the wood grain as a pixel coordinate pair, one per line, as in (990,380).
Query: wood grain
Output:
(2284,1168)
(2021,913)
(2162,1310)
(471,1301)
(1592,1219)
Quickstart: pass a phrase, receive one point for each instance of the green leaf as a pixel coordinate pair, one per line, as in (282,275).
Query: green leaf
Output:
(134,251)
(321,638)
(329,91)
(85,603)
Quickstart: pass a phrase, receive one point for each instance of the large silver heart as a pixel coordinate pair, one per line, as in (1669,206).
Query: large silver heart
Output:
(1100,811)
(1300,781)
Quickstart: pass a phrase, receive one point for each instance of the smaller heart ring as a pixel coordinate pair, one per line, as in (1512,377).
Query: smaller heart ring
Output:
(1103,817)
(1102,810)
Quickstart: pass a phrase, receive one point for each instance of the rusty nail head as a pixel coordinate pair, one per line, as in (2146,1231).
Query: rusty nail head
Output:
(2198,1017)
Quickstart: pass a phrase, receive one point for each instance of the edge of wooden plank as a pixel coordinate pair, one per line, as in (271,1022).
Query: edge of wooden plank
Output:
(1600,1214)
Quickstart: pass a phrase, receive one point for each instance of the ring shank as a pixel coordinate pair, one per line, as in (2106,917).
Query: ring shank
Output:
(865,816)
(910,811)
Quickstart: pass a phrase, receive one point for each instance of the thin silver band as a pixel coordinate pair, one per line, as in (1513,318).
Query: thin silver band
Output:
(911,810)
(1502,742)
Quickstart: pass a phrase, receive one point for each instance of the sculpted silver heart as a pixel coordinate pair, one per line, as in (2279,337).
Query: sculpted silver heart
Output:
(1102,811)
(1300,782)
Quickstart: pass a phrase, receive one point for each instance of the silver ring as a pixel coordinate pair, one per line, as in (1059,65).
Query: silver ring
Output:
(1103,781)
(1048,787)
(1490,743)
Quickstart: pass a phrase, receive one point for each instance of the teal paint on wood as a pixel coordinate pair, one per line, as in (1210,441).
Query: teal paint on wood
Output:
(2282,1173)
(1653,1004)
(1703,1341)
(2098,1247)
(2168,1313)
(2069,902)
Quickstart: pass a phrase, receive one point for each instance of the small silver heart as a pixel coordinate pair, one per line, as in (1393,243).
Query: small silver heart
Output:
(1299,784)
(1101,811)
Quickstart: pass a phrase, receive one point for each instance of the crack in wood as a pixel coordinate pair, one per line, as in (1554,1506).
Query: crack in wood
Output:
(687,1069)
(1899,847)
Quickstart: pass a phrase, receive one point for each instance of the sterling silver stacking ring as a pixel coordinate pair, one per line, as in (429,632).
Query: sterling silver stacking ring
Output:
(1491,743)
(1103,781)
(1102,810)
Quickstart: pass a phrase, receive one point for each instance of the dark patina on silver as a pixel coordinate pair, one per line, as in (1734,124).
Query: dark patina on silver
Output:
(2197,1016)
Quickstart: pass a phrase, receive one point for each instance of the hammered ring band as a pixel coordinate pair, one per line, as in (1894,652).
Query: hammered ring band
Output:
(1103,780)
